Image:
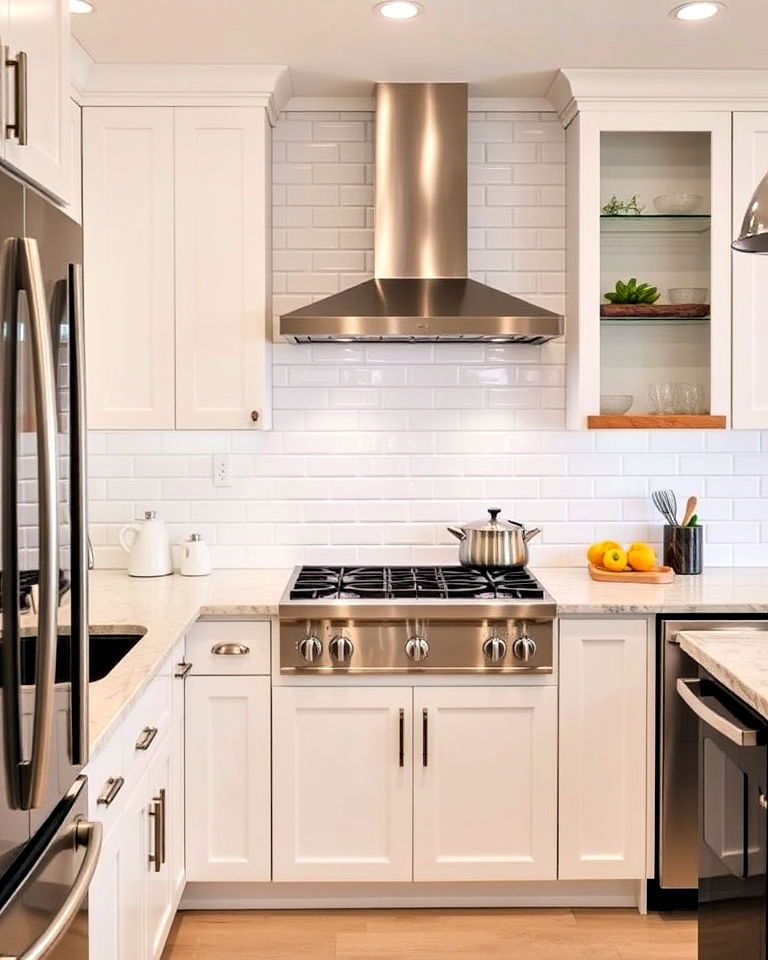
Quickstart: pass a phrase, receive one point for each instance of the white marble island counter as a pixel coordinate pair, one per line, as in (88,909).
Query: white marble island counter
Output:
(737,658)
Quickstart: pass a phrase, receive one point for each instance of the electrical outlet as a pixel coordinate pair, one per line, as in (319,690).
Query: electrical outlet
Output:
(222,470)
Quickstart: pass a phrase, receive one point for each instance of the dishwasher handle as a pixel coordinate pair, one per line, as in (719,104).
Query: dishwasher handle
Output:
(721,720)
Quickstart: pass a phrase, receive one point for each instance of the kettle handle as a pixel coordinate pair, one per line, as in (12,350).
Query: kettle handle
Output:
(530,534)
(459,534)
(125,543)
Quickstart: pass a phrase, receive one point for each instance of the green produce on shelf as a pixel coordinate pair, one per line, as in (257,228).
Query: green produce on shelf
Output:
(622,208)
(631,292)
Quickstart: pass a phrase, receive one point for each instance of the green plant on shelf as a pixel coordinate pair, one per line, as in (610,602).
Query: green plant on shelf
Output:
(630,292)
(622,208)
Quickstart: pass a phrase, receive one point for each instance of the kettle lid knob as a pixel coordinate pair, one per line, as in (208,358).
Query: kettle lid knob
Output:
(494,512)
(150,514)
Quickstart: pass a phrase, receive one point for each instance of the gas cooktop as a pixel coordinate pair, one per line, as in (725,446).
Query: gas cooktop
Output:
(428,583)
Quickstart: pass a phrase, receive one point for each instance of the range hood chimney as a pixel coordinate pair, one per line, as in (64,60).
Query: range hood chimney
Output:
(420,291)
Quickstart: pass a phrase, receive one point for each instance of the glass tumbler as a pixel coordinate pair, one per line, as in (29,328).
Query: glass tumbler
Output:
(660,396)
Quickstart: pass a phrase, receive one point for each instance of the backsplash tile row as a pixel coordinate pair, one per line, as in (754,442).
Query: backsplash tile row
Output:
(376,448)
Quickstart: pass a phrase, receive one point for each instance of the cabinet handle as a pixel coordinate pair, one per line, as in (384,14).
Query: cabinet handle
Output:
(424,737)
(254,416)
(230,649)
(148,734)
(18,128)
(111,788)
(156,813)
(183,670)
(164,821)
(402,737)
(763,801)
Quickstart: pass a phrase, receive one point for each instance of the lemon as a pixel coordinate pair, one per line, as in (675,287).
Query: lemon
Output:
(597,551)
(615,559)
(641,557)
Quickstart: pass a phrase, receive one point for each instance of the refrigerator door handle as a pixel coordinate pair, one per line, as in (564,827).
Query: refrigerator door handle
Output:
(30,279)
(79,494)
(86,834)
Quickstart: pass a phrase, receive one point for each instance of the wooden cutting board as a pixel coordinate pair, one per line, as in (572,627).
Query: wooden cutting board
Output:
(654,575)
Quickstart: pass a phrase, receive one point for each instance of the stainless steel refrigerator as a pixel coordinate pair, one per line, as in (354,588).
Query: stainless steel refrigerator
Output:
(48,849)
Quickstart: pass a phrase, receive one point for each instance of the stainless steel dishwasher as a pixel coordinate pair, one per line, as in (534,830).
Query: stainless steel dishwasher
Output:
(677,868)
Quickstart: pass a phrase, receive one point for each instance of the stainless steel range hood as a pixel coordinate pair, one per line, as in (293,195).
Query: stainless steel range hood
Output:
(420,290)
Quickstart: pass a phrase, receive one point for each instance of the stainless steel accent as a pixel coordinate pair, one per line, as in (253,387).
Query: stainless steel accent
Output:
(455,643)
(524,648)
(417,648)
(230,649)
(310,648)
(30,279)
(164,820)
(146,739)
(753,236)
(91,560)
(19,128)
(677,837)
(425,737)
(182,670)
(421,180)
(715,714)
(111,788)
(665,502)
(341,648)
(420,289)
(155,813)
(494,542)
(495,649)
(401,729)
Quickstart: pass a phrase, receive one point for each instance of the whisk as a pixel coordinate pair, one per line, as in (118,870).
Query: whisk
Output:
(665,502)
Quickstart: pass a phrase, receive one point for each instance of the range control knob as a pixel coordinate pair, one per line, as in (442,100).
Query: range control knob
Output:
(417,648)
(495,649)
(341,648)
(310,648)
(524,648)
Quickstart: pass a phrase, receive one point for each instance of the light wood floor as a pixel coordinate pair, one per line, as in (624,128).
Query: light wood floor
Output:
(432,935)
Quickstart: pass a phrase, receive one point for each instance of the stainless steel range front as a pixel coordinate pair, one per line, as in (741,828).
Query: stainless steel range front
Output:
(378,620)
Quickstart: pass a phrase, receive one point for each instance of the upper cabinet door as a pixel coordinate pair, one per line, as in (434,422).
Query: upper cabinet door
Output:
(129,266)
(485,783)
(222,256)
(750,278)
(40,31)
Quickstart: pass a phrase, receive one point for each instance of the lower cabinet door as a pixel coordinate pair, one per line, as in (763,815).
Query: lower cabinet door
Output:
(116,894)
(175,825)
(227,733)
(342,783)
(485,783)
(159,907)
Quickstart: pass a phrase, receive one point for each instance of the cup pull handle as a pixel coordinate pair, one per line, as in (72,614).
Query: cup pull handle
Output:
(230,649)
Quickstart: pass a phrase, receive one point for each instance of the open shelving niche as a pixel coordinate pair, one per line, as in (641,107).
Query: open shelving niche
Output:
(665,250)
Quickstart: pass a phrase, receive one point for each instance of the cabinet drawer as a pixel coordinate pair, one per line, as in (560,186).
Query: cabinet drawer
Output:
(108,788)
(238,647)
(147,724)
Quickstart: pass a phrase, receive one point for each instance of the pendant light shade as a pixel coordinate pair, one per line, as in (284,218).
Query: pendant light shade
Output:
(754,230)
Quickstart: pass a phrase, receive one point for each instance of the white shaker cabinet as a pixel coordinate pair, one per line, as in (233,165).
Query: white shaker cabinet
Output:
(342,780)
(603,749)
(128,253)
(162,817)
(177,267)
(223,199)
(228,778)
(750,279)
(38,39)
(485,783)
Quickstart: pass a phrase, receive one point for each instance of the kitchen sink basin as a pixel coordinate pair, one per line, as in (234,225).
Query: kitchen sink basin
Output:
(105,651)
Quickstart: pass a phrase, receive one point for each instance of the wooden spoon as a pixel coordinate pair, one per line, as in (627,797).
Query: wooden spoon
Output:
(690,509)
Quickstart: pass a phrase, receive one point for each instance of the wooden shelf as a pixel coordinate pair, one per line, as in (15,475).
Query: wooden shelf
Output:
(653,421)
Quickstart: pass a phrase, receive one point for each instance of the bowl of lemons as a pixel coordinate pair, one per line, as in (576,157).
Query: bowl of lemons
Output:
(610,561)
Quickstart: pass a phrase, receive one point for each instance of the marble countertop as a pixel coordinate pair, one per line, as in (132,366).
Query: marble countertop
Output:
(737,658)
(165,606)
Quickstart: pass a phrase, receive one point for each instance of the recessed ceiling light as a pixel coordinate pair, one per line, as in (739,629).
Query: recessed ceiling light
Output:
(399,9)
(80,6)
(699,10)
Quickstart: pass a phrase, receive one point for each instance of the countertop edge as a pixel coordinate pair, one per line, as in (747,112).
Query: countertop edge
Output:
(739,687)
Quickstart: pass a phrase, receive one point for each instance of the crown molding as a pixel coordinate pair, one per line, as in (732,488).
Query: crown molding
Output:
(576,90)
(367,104)
(172,85)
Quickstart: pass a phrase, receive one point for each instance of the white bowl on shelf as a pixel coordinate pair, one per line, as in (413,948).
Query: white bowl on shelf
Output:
(688,295)
(677,204)
(615,404)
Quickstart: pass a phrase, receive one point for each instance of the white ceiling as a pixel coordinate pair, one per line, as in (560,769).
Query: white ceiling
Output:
(501,47)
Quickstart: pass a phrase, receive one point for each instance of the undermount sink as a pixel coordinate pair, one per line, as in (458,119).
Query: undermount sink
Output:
(105,651)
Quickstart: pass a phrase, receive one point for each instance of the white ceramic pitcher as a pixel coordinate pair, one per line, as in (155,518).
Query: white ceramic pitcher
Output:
(148,547)
(195,557)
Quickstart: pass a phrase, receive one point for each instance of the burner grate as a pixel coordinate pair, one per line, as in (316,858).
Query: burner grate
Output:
(395,583)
